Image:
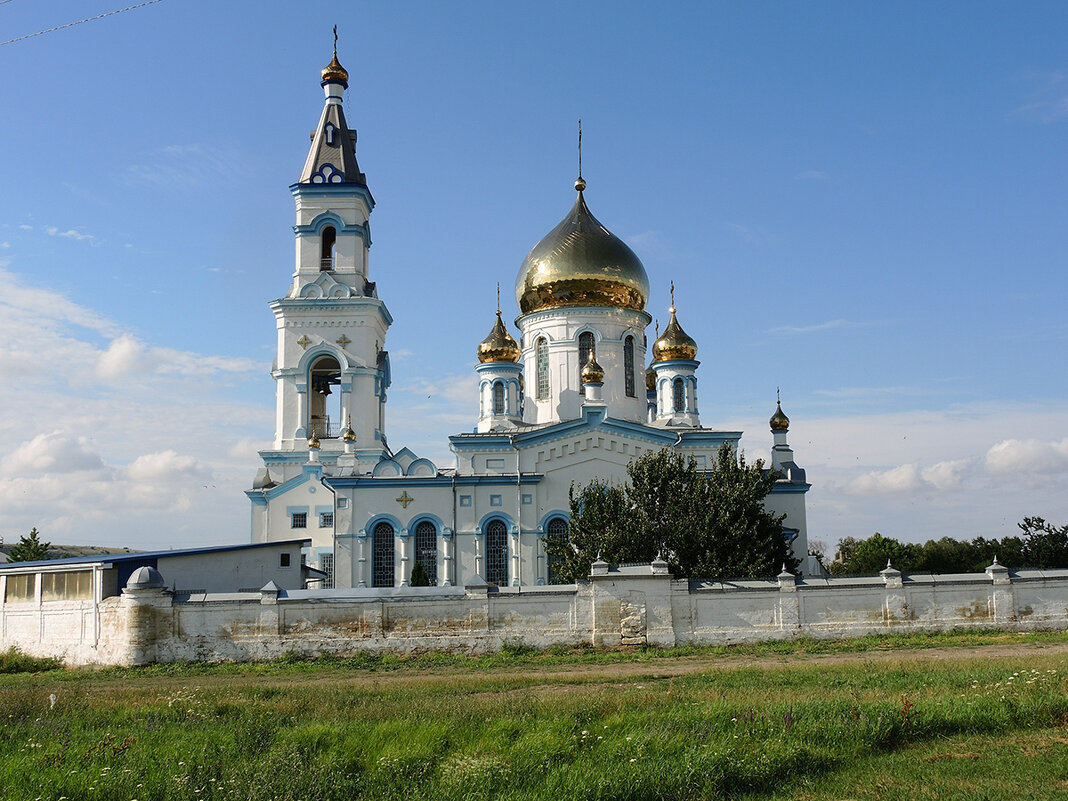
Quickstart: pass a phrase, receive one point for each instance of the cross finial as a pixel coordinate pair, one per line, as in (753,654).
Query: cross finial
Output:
(656,327)
(672,296)
(498,297)
(335,41)
(580,147)
(777,398)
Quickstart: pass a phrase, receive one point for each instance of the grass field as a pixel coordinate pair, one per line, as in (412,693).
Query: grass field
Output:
(980,715)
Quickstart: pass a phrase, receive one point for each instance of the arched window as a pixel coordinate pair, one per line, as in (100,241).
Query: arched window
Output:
(497,553)
(555,530)
(382,556)
(426,550)
(678,391)
(541,360)
(585,351)
(498,398)
(628,366)
(326,254)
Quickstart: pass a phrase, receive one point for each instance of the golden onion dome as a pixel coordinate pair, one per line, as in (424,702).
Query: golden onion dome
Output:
(674,343)
(592,373)
(349,435)
(313,441)
(498,346)
(650,379)
(779,421)
(335,72)
(581,263)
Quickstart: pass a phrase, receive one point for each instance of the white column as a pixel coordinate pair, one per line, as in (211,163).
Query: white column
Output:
(447,560)
(404,557)
(361,569)
(478,552)
(515,557)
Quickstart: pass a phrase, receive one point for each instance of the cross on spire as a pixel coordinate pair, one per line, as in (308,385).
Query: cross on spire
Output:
(580,148)
(672,296)
(498,297)
(335,41)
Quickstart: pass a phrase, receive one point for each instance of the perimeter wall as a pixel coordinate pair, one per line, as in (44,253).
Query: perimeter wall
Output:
(617,606)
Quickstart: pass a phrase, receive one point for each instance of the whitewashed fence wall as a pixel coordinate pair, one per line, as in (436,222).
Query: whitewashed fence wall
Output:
(617,606)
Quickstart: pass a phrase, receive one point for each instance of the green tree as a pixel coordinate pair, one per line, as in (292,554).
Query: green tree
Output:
(1045,545)
(29,548)
(872,554)
(419,577)
(706,524)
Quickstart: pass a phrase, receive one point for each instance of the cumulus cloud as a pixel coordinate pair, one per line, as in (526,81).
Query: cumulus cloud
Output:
(51,453)
(166,466)
(124,355)
(905,478)
(1028,456)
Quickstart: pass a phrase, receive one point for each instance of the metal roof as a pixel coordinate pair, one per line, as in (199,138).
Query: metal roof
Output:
(114,558)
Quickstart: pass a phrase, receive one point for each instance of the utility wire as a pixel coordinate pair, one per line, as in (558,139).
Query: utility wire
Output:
(77,22)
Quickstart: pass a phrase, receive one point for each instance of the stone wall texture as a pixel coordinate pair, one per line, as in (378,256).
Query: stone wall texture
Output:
(616,607)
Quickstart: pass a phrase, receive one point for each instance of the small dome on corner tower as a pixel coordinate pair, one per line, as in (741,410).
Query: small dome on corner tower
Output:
(499,345)
(779,421)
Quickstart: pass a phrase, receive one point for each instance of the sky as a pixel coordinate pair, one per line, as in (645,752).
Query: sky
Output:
(861,204)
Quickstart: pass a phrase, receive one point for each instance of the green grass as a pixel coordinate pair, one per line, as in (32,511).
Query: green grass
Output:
(778,723)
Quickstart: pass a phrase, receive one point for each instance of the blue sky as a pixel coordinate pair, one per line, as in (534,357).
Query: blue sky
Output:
(861,204)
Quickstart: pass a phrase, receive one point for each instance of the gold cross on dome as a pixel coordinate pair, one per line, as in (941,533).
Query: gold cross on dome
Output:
(304,342)
(343,340)
(405,499)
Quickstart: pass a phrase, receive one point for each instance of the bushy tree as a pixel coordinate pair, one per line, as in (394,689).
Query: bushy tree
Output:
(1045,545)
(419,577)
(706,524)
(29,548)
(872,554)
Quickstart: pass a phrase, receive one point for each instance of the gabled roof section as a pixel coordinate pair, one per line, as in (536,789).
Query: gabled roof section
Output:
(332,158)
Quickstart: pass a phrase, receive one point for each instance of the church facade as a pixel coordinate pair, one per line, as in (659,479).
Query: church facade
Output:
(569,401)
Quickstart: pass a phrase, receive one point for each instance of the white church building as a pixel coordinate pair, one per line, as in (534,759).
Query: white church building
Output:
(570,400)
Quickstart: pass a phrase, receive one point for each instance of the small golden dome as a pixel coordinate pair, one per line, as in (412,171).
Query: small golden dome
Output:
(779,421)
(498,346)
(674,343)
(592,373)
(650,379)
(313,441)
(581,263)
(349,435)
(335,72)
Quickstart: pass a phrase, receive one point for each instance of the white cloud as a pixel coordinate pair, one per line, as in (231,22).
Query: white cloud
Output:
(808,329)
(131,437)
(948,475)
(905,478)
(1032,457)
(51,453)
(124,355)
(184,166)
(166,466)
(70,233)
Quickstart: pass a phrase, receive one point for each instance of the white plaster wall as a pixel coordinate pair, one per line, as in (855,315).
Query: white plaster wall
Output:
(626,606)
(562,328)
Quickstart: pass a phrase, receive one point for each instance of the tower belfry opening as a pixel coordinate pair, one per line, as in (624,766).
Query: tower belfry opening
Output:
(326,414)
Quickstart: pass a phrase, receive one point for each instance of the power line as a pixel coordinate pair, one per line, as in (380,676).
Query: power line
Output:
(77,22)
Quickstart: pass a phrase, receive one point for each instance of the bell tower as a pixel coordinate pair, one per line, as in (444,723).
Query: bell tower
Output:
(331,370)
